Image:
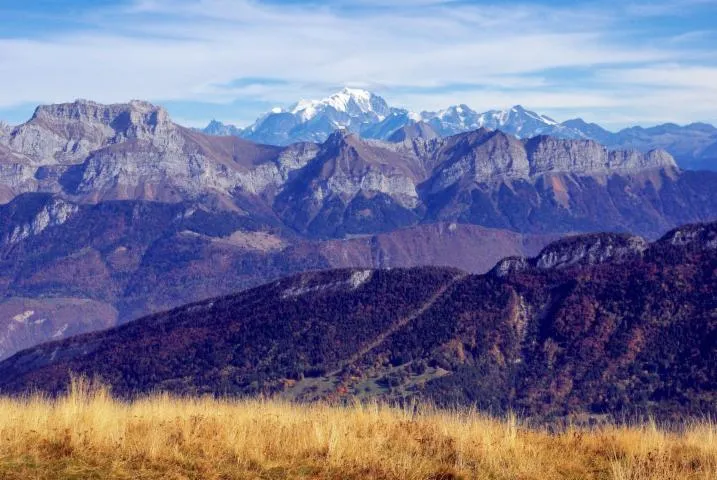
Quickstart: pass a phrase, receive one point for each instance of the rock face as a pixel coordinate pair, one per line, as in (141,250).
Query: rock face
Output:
(53,213)
(88,152)
(490,178)
(553,155)
(353,186)
(601,324)
(68,133)
(134,151)
(17,173)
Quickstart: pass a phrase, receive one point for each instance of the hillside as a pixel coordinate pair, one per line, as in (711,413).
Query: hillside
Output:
(599,324)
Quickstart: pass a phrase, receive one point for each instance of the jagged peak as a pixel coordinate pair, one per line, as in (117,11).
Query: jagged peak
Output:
(340,138)
(215,127)
(355,92)
(578,121)
(521,111)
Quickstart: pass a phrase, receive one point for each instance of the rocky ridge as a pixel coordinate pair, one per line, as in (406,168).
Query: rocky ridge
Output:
(89,152)
(582,251)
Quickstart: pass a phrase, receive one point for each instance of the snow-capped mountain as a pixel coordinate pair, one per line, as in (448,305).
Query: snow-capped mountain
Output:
(354,102)
(516,121)
(369,115)
(315,120)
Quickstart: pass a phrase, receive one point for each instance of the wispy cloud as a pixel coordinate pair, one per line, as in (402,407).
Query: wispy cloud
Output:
(415,53)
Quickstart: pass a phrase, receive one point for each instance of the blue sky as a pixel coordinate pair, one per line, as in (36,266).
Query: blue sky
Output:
(617,63)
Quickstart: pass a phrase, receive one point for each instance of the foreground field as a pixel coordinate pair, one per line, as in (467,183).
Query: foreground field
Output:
(90,435)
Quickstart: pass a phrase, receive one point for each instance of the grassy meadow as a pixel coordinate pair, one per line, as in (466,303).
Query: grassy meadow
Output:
(88,434)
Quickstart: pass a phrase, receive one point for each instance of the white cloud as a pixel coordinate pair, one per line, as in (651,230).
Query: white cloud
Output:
(193,50)
(669,75)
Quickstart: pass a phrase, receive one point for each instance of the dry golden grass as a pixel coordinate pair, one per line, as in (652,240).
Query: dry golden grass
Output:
(90,435)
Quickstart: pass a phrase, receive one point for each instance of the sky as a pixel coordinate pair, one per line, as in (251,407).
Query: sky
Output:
(617,63)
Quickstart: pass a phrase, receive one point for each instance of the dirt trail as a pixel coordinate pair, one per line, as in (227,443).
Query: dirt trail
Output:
(400,323)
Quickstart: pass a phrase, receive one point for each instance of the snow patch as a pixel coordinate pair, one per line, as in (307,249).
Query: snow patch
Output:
(342,101)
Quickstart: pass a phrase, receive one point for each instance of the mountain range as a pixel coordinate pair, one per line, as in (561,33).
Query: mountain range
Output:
(694,146)
(111,212)
(597,324)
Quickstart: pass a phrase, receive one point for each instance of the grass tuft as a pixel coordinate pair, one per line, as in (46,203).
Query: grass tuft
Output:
(89,434)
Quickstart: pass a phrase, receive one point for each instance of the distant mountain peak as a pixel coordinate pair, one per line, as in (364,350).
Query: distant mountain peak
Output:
(352,101)
(218,128)
(413,131)
(315,120)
